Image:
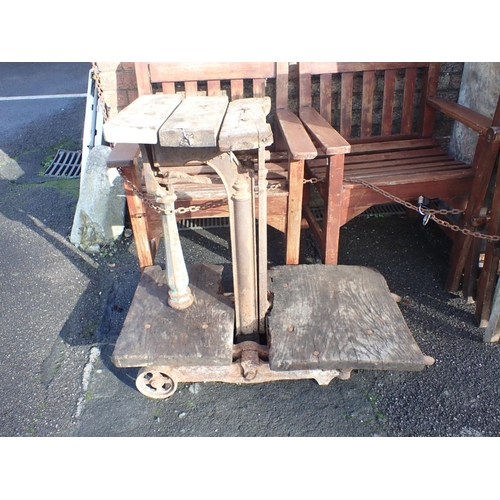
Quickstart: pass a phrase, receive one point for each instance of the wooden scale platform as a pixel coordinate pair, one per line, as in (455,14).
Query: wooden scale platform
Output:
(323,321)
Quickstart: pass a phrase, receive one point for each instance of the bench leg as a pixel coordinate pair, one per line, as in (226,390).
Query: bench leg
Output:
(138,218)
(484,161)
(294,216)
(332,212)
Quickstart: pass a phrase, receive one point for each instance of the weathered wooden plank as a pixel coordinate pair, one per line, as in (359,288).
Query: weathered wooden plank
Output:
(329,140)
(245,125)
(195,123)
(400,173)
(237,89)
(390,155)
(305,87)
(356,198)
(213,87)
(388,101)
(436,176)
(138,216)
(259,87)
(408,98)
(325,97)
(429,89)
(195,71)
(367,103)
(337,317)
(317,68)
(140,121)
(191,88)
(123,155)
(346,104)
(393,145)
(472,119)
(142,78)
(155,334)
(281,85)
(298,141)
(295,197)
(381,169)
(331,214)
(168,87)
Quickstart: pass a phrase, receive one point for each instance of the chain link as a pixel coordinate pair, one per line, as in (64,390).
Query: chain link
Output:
(422,211)
(314,180)
(160,210)
(431,212)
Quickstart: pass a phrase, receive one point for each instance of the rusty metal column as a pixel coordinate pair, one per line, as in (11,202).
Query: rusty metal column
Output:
(244,261)
(239,184)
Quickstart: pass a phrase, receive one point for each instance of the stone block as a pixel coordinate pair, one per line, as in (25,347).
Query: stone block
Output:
(100,212)
(479,91)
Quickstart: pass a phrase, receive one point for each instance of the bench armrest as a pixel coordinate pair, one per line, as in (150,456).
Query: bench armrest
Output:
(123,155)
(298,142)
(328,139)
(472,119)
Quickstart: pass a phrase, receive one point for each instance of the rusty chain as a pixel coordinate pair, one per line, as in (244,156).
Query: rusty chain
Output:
(427,212)
(159,209)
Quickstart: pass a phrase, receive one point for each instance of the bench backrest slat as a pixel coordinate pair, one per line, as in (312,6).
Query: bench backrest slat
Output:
(368,100)
(237,79)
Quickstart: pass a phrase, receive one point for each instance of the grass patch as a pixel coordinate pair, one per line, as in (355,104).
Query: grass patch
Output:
(373,399)
(68,187)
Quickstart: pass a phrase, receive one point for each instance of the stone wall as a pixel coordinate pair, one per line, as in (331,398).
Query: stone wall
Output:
(479,92)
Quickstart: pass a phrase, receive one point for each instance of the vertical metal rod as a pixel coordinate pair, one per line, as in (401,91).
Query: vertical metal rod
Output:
(262,264)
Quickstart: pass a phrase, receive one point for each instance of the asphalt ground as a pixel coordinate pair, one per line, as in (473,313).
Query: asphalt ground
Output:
(62,310)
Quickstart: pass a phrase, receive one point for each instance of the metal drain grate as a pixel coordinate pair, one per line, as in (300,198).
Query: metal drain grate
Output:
(65,164)
(213,222)
(385,210)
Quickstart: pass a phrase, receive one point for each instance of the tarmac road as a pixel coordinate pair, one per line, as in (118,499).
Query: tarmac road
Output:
(61,312)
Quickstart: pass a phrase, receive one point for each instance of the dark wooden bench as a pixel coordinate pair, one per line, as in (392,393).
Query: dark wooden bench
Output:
(284,162)
(396,151)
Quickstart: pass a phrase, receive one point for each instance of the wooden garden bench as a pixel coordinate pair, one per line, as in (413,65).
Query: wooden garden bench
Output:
(396,151)
(199,185)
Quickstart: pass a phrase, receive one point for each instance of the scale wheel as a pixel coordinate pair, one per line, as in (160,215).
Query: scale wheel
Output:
(155,383)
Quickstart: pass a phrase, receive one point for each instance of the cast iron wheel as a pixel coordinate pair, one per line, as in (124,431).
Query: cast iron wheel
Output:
(155,383)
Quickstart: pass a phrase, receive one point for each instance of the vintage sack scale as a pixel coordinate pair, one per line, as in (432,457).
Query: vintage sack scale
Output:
(318,322)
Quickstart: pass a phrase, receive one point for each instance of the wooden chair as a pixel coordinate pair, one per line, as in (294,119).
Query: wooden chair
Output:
(285,162)
(396,151)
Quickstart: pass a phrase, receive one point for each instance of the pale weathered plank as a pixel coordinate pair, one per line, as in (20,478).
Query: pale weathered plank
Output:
(155,334)
(195,123)
(140,121)
(245,125)
(328,139)
(337,317)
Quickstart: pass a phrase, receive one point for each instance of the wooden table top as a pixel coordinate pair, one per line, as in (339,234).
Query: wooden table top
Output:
(198,121)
